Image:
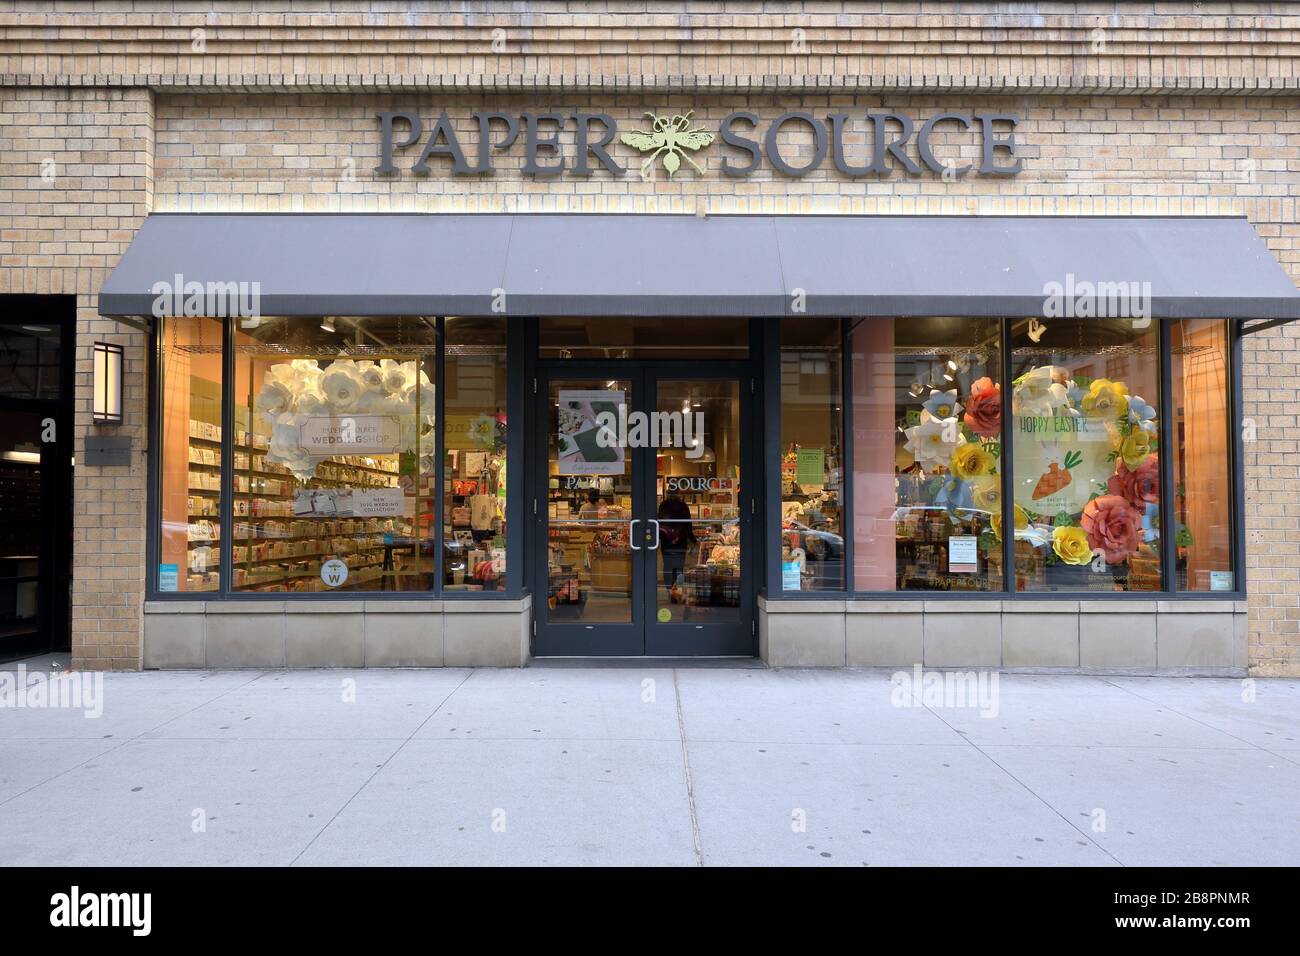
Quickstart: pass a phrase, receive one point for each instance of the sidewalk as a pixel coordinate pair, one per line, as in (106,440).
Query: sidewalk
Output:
(646,765)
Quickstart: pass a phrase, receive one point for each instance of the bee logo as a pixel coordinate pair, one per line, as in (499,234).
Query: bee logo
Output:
(669,137)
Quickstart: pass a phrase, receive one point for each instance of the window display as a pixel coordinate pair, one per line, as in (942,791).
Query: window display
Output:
(1202,455)
(189,552)
(334,454)
(812,520)
(474,468)
(927,454)
(1085,440)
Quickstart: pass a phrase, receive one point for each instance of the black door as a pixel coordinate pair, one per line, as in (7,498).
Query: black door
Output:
(644,523)
(35,474)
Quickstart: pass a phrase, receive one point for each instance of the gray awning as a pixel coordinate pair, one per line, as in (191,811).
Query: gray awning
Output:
(394,264)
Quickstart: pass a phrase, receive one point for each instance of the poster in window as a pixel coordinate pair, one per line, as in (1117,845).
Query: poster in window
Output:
(1060,462)
(585,447)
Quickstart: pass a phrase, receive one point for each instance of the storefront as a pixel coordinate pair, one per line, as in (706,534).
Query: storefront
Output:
(458,376)
(592,473)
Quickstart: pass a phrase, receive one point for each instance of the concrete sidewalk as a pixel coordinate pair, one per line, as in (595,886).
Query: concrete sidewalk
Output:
(651,765)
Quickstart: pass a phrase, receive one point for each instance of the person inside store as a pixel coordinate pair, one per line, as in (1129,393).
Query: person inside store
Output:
(676,535)
(591,507)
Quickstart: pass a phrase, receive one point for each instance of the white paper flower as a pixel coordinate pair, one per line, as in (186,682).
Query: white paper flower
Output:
(425,396)
(274,399)
(311,403)
(286,436)
(1041,391)
(372,376)
(933,441)
(341,387)
(394,374)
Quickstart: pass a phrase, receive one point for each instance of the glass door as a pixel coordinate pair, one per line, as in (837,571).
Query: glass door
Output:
(699,578)
(590,534)
(644,521)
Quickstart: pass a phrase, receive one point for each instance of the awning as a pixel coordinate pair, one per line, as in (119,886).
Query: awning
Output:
(540,264)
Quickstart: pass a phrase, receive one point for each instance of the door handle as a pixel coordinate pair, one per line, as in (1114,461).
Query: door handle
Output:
(656,533)
(631,533)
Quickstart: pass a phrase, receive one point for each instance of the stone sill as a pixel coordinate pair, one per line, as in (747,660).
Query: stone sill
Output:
(362,606)
(993,606)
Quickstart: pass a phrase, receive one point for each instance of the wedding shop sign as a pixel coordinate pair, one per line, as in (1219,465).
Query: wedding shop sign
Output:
(351,435)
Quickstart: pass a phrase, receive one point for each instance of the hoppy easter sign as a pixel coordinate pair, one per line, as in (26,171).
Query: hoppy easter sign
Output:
(1060,461)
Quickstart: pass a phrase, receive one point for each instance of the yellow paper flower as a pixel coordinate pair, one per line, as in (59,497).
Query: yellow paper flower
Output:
(970,461)
(1071,545)
(1135,448)
(1105,399)
(986,493)
(1021,520)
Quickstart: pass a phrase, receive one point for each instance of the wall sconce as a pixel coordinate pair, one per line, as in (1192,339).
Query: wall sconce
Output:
(108,384)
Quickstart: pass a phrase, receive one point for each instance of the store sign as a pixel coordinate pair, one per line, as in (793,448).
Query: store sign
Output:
(334,573)
(669,142)
(351,435)
(697,483)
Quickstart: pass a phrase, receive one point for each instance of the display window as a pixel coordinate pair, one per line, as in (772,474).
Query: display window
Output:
(189,486)
(474,465)
(812,513)
(1085,441)
(1202,455)
(334,454)
(927,454)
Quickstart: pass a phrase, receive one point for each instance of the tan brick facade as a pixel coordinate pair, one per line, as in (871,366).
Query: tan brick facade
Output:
(112,110)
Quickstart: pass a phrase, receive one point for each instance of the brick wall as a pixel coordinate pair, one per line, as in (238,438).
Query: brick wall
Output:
(75,186)
(622,44)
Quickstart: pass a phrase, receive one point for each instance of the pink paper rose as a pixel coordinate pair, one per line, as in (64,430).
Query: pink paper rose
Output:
(1140,486)
(1112,526)
(984,408)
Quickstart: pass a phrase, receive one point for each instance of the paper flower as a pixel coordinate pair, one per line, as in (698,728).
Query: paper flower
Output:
(1112,526)
(1140,414)
(934,440)
(1020,519)
(394,376)
(1041,391)
(1135,448)
(984,408)
(971,460)
(274,399)
(1105,399)
(942,404)
(1071,545)
(986,493)
(483,431)
(954,494)
(1151,526)
(422,396)
(1138,486)
(341,387)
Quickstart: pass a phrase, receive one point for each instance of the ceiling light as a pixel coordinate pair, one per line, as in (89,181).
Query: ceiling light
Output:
(36,328)
(327,323)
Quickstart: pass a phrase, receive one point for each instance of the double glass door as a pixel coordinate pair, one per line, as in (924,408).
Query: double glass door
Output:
(644,515)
